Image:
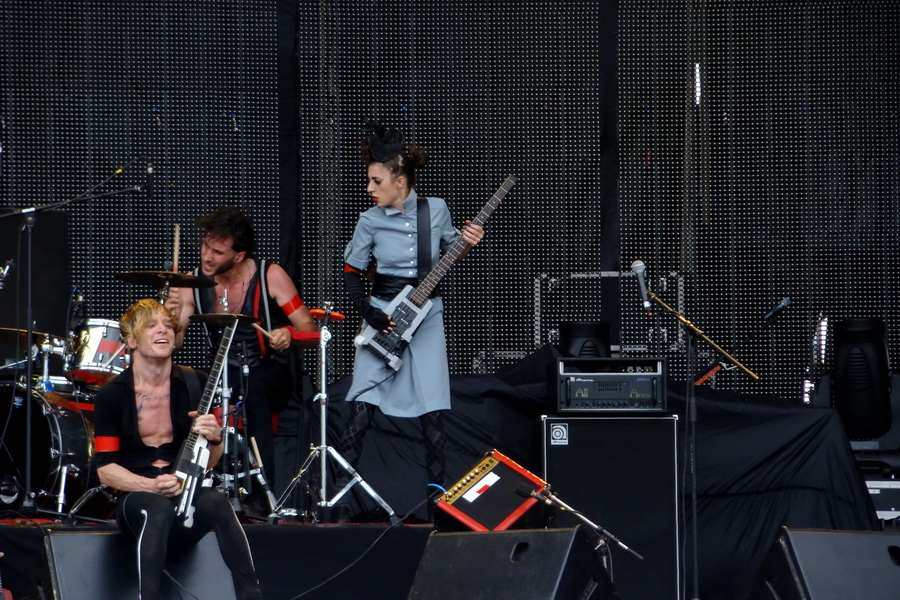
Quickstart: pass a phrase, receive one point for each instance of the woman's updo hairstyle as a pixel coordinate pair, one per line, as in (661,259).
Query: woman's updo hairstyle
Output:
(388,146)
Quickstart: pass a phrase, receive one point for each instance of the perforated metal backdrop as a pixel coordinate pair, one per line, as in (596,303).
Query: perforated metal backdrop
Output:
(776,178)
(90,86)
(491,89)
(760,162)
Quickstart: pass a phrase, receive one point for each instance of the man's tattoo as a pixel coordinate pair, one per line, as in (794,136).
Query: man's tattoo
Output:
(147,399)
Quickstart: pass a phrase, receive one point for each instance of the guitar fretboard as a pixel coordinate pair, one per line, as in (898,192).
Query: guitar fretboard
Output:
(214,374)
(434,277)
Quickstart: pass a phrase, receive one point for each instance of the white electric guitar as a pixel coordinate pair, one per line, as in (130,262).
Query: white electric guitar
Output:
(193,458)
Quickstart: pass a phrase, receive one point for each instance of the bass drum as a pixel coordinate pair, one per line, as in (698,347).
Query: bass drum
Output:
(62,435)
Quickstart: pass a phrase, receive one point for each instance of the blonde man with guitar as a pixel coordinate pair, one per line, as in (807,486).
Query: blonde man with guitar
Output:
(143,417)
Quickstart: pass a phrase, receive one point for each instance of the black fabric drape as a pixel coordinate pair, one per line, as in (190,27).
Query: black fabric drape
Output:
(762,462)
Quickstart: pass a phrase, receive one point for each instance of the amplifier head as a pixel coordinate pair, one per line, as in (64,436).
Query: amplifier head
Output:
(619,385)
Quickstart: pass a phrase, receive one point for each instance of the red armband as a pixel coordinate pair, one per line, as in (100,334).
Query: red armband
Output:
(291,305)
(305,335)
(106,443)
(349,269)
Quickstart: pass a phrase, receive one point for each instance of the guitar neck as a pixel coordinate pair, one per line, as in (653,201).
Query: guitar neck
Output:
(434,277)
(215,373)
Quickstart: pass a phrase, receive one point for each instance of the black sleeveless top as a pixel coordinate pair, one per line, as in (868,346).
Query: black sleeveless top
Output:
(248,342)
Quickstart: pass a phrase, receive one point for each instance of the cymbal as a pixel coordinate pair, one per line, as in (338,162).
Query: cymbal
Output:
(223,318)
(319,313)
(161,278)
(12,336)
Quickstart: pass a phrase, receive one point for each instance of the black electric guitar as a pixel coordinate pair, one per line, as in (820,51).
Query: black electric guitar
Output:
(193,458)
(411,305)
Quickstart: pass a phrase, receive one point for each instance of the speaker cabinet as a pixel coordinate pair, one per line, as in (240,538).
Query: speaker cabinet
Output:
(622,474)
(830,565)
(103,566)
(550,564)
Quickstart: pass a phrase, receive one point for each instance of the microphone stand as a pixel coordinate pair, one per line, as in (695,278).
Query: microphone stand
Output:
(768,320)
(28,502)
(693,331)
(548,497)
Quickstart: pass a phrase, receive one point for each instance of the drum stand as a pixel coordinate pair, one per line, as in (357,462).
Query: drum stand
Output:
(323,450)
(72,515)
(49,347)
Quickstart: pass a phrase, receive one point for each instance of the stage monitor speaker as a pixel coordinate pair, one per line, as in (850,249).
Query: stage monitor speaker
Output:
(622,474)
(102,566)
(550,564)
(830,565)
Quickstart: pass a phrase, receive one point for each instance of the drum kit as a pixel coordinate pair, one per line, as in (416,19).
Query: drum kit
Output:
(63,402)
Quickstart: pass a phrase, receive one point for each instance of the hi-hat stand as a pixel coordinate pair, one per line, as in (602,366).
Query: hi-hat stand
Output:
(229,446)
(240,457)
(232,441)
(323,451)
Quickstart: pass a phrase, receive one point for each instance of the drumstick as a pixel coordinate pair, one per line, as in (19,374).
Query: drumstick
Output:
(263,331)
(176,248)
(295,335)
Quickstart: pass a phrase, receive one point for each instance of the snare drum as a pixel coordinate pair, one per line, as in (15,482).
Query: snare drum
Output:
(98,352)
(62,435)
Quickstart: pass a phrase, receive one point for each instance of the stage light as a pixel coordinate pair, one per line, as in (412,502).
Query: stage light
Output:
(584,339)
(860,378)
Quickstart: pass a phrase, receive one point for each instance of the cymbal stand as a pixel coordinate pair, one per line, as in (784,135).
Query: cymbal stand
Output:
(323,450)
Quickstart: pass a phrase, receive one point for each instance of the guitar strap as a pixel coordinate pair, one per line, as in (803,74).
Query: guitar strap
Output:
(423,236)
(192,380)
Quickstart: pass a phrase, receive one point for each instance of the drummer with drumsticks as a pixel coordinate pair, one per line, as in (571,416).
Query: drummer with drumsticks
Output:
(227,256)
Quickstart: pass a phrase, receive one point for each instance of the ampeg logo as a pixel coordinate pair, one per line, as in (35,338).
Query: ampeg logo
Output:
(559,434)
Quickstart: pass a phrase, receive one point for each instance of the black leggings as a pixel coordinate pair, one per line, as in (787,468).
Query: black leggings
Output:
(151,519)
(435,440)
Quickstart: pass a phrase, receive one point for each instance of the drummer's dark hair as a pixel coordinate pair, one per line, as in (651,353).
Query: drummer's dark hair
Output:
(139,315)
(229,222)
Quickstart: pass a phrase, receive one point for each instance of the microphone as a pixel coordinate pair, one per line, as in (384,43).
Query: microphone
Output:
(525,491)
(233,117)
(639,268)
(785,302)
